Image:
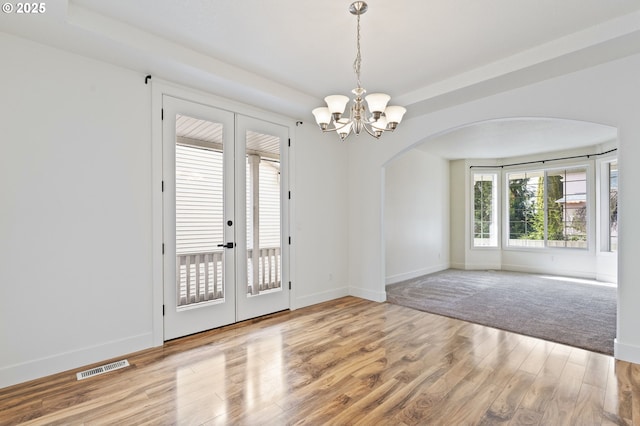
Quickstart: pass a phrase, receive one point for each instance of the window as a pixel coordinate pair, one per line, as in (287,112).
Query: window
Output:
(567,208)
(526,209)
(613,206)
(548,208)
(485,210)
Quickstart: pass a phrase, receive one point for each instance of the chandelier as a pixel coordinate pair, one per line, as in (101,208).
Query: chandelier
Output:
(379,119)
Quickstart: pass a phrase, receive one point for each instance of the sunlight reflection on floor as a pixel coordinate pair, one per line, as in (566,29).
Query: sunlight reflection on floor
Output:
(578,280)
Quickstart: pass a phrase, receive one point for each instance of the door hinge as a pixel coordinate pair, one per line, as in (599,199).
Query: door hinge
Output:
(162,310)
(162,248)
(162,186)
(289,141)
(162,114)
(289,194)
(289,240)
(289,285)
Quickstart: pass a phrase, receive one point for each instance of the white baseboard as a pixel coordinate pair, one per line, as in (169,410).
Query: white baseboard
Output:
(320,297)
(392,279)
(607,278)
(482,267)
(457,265)
(555,271)
(35,369)
(626,352)
(365,293)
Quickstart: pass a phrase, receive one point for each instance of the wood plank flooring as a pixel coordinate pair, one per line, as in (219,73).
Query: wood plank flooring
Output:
(347,361)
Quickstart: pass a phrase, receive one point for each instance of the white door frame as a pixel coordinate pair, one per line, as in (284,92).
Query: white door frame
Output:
(158,89)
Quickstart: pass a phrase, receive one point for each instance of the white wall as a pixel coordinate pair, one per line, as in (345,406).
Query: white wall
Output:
(458,206)
(320,200)
(75,173)
(608,94)
(416,216)
(76,266)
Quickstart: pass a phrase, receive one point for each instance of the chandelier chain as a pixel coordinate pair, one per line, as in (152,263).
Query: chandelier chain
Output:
(358,60)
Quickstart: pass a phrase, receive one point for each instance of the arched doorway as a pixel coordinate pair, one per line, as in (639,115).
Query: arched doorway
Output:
(428,216)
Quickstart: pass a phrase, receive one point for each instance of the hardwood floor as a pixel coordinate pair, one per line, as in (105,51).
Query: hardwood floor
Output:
(348,361)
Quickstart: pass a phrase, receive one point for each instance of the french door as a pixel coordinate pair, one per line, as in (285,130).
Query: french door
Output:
(224,177)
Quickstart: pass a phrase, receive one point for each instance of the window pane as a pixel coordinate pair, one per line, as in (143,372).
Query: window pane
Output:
(199,211)
(567,208)
(613,206)
(485,210)
(264,270)
(526,209)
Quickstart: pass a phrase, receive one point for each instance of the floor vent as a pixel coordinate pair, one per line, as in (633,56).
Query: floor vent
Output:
(102,369)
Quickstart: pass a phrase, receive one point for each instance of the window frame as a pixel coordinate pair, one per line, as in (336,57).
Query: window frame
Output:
(604,224)
(545,170)
(497,203)
(507,207)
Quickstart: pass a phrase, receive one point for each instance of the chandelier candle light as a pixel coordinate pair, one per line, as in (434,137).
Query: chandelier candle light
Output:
(381,117)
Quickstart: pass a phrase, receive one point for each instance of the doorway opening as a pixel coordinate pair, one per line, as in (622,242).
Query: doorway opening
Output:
(450,204)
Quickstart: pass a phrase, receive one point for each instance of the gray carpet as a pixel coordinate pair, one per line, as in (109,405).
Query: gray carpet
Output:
(575,314)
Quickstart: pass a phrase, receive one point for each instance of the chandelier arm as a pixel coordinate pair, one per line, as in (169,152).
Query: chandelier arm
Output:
(368,127)
(336,127)
(386,129)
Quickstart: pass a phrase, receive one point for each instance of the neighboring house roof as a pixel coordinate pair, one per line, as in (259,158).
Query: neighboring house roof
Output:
(573,199)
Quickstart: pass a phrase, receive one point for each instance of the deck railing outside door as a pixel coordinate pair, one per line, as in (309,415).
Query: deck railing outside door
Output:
(199,275)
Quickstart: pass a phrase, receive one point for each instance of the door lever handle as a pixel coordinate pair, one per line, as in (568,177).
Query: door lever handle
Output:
(227,245)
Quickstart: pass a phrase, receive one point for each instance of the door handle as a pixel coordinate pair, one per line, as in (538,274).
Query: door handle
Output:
(227,245)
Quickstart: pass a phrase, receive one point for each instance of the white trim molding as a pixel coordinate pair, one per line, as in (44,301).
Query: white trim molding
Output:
(72,360)
(626,352)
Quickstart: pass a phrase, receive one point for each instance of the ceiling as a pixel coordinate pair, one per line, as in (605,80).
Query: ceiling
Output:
(517,137)
(407,45)
(208,135)
(286,55)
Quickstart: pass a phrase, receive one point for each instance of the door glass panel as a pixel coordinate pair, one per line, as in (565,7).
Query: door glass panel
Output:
(264,273)
(199,212)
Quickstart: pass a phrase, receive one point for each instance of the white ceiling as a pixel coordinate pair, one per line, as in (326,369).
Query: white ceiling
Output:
(286,55)
(516,137)
(407,44)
